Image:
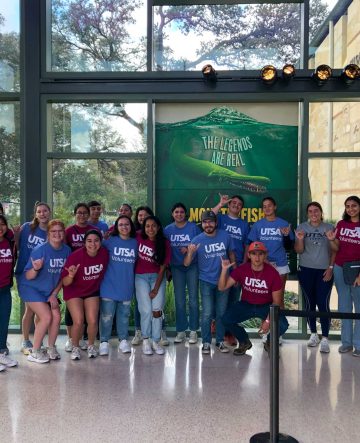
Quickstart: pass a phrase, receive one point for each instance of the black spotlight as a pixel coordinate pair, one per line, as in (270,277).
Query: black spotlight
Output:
(350,73)
(209,74)
(268,74)
(322,74)
(288,71)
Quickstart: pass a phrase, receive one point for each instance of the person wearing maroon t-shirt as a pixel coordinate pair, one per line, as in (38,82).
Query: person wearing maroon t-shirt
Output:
(153,257)
(261,286)
(346,243)
(74,237)
(7,262)
(82,274)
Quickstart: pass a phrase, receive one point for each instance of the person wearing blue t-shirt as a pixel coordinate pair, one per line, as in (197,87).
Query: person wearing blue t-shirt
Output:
(209,248)
(238,230)
(117,287)
(94,218)
(41,284)
(27,237)
(180,234)
(277,236)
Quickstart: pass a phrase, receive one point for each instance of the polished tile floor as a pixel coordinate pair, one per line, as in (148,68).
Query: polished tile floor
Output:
(180,397)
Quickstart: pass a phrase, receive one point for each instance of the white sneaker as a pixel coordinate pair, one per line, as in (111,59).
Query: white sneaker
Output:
(163,339)
(38,357)
(124,347)
(68,345)
(137,338)
(104,348)
(7,361)
(83,345)
(2,368)
(313,340)
(92,351)
(157,348)
(146,347)
(324,345)
(193,338)
(180,337)
(75,353)
(53,353)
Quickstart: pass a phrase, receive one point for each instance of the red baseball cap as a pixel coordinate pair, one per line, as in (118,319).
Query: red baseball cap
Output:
(257,246)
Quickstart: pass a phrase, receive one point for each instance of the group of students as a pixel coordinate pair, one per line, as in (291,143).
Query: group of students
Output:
(99,270)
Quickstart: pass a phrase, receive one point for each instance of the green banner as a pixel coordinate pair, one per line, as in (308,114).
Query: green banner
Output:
(226,151)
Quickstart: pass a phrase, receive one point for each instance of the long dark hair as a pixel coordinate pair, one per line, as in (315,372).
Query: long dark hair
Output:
(356,199)
(115,231)
(160,240)
(141,208)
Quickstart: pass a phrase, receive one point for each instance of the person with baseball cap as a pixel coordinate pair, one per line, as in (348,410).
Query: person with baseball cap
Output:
(210,247)
(261,286)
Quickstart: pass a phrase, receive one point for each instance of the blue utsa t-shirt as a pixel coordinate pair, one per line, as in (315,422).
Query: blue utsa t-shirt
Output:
(179,238)
(210,252)
(101,225)
(118,282)
(238,229)
(269,233)
(49,275)
(27,242)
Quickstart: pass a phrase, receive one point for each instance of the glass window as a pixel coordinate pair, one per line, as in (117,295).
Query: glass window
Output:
(334,33)
(103,128)
(9,46)
(112,182)
(10,160)
(246,36)
(338,179)
(334,127)
(98,35)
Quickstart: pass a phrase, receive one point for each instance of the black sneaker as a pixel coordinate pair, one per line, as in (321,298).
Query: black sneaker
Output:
(206,348)
(242,348)
(221,347)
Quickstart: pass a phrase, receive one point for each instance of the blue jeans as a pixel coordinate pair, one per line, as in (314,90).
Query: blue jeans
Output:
(136,314)
(348,296)
(5,311)
(213,301)
(108,308)
(242,311)
(186,277)
(150,325)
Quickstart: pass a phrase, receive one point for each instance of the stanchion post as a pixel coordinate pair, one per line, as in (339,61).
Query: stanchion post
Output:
(273,436)
(274,373)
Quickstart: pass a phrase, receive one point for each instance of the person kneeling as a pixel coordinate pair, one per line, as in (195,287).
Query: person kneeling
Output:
(261,286)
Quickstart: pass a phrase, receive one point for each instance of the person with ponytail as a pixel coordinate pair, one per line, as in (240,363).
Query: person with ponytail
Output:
(27,237)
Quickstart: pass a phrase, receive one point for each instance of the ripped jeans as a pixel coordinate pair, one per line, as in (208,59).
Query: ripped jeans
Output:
(150,325)
(108,308)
